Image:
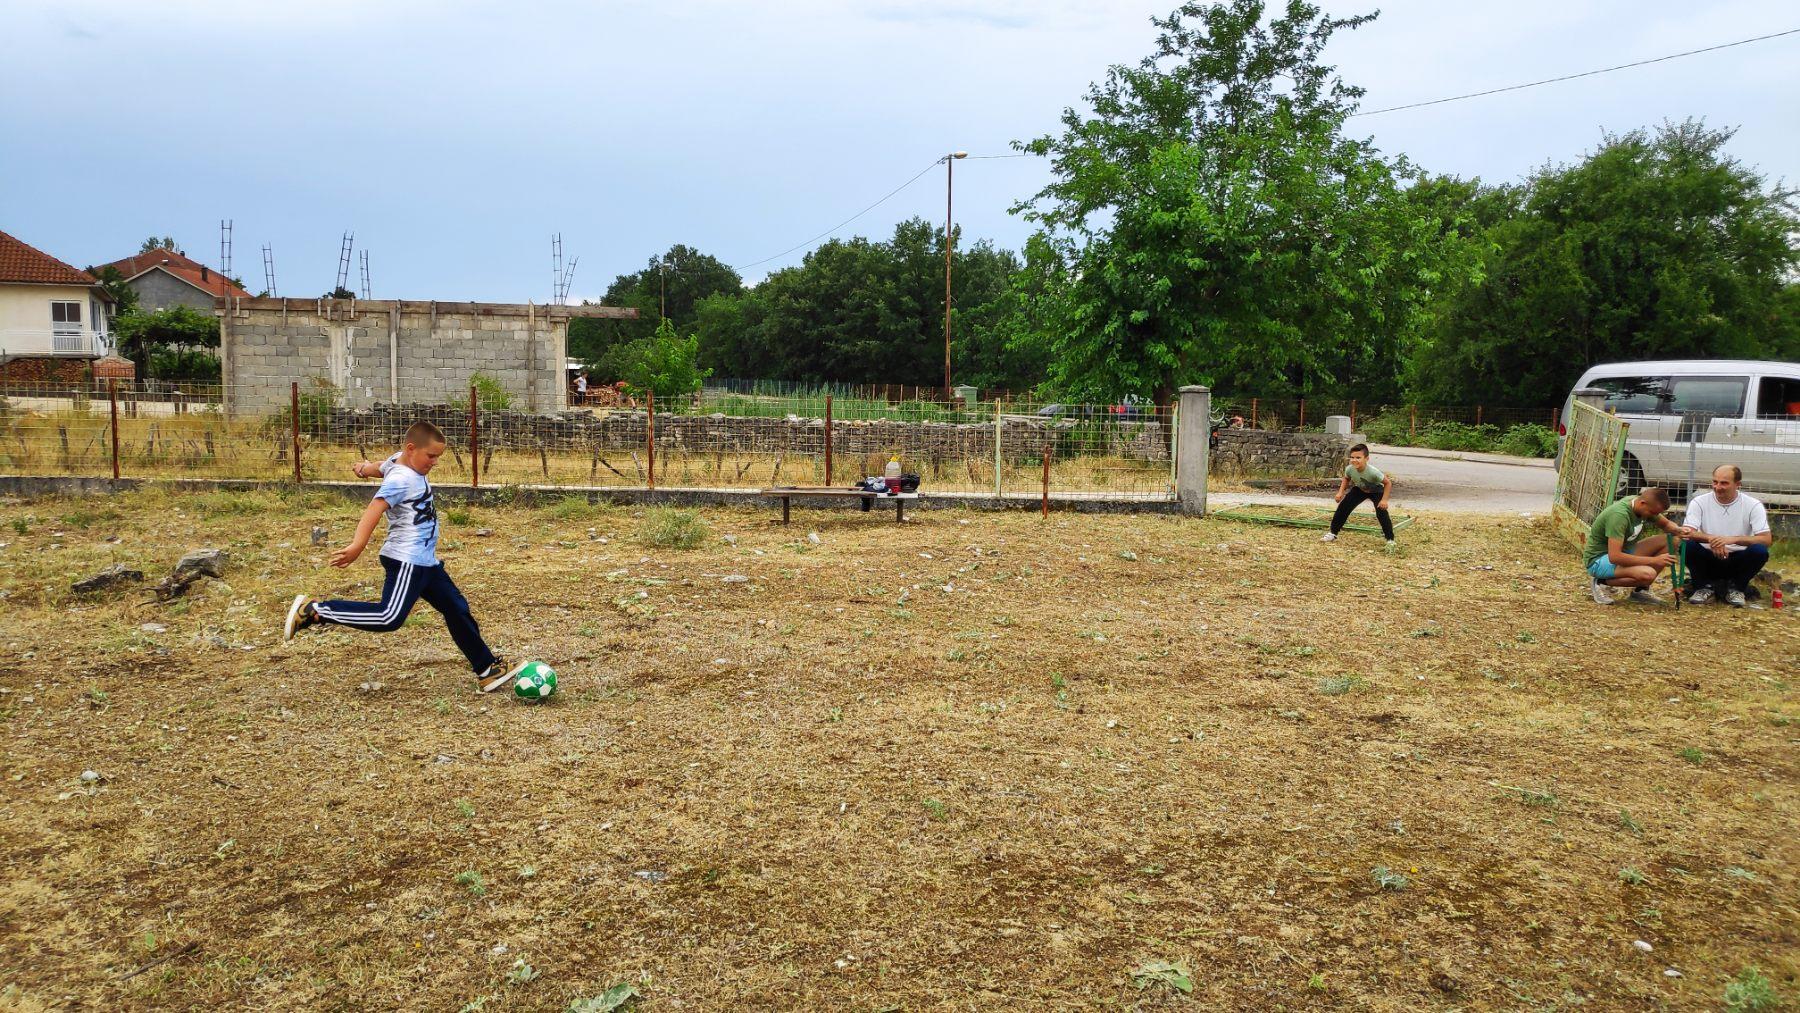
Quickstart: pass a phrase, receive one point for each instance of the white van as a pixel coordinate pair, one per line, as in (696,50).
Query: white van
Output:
(1692,415)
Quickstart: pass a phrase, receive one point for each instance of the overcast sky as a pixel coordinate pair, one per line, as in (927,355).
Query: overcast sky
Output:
(454,136)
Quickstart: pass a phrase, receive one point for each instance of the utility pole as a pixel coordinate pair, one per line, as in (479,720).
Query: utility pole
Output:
(949,171)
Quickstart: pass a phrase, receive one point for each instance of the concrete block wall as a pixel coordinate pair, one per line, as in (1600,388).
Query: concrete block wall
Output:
(381,351)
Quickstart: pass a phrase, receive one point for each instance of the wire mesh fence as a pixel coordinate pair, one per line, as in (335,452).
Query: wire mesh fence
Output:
(734,441)
(1587,477)
(718,439)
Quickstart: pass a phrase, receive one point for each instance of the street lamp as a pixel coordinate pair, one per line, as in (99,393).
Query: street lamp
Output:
(949,162)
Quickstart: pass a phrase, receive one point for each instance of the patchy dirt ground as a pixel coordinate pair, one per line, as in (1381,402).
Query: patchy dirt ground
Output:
(977,762)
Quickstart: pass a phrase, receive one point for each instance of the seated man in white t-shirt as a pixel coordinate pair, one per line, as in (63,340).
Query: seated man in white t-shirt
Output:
(1731,540)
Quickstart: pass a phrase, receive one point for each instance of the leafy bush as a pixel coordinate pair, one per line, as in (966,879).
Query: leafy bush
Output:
(669,528)
(1751,993)
(317,402)
(1529,440)
(184,365)
(665,364)
(1457,436)
(490,394)
(1391,428)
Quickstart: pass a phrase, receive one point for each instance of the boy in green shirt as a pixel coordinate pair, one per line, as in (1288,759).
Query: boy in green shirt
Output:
(1614,556)
(1362,481)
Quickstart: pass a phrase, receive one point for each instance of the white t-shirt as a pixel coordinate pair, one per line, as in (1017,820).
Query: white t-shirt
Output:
(1742,516)
(411,515)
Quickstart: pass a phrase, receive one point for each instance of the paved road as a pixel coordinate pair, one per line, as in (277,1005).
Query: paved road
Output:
(1434,480)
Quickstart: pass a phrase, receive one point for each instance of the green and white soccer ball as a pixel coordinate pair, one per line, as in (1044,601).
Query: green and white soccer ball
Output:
(536,681)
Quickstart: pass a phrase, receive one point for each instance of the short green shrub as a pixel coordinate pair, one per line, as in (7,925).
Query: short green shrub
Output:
(1392,428)
(1528,440)
(573,508)
(1751,993)
(669,528)
(1458,436)
(490,394)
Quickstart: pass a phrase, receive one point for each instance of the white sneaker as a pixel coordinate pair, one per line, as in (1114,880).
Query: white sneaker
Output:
(1734,598)
(1602,594)
(299,616)
(1392,546)
(1329,536)
(1704,596)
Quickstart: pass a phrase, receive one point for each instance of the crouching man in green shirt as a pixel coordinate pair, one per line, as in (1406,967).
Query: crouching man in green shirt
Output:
(1616,558)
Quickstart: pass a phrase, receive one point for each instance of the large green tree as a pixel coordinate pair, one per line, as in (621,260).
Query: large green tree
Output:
(1657,245)
(679,279)
(1216,225)
(865,311)
(179,336)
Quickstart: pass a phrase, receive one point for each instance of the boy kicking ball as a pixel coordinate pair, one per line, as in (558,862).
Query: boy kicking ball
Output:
(1362,481)
(409,557)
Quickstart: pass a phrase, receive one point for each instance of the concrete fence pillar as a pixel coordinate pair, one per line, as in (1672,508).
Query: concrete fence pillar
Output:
(1593,397)
(1193,447)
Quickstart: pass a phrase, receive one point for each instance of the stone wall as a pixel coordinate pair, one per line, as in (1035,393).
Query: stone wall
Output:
(395,351)
(1259,452)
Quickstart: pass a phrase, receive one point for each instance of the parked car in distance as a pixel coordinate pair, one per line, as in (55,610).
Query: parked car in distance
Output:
(1689,416)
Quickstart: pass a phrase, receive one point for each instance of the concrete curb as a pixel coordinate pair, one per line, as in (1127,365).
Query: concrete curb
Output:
(1458,455)
(31,486)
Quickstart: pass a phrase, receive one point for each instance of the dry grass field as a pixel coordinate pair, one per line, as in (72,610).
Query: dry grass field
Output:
(978,762)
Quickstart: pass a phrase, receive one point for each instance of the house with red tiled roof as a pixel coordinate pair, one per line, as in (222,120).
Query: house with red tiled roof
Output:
(166,278)
(53,318)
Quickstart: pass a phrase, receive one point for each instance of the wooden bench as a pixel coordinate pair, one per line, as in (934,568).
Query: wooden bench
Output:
(786,493)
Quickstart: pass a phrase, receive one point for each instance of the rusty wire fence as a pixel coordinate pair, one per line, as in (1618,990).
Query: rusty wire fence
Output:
(733,442)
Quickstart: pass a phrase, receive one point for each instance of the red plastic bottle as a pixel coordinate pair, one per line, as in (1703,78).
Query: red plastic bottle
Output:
(1775,599)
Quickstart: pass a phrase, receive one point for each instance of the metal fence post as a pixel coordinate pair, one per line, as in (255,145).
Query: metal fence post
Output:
(474,440)
(1302,423)
(650,437)
(1478,415)
(1353,415)
(294,391)
(112,393)
(1412,427)
(828,439)
(1046,498)
(1253,413)
(997,431)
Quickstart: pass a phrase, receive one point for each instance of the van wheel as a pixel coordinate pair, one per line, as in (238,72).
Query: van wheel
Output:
(1631,477)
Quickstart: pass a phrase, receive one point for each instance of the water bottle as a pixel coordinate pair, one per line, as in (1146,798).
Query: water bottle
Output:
(893,475)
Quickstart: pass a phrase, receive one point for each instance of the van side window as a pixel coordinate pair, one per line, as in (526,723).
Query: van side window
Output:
(1634,395)
(1778,398)
(1716,396)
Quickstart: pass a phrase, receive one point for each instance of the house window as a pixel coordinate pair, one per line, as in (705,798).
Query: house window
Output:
(65,327)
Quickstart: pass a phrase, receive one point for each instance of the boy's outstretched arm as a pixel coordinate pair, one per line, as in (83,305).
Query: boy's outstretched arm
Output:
(1387,489)
(364,529)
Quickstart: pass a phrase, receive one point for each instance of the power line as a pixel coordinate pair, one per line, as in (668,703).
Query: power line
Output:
(1367,112)
(1571,77)
(932,165)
